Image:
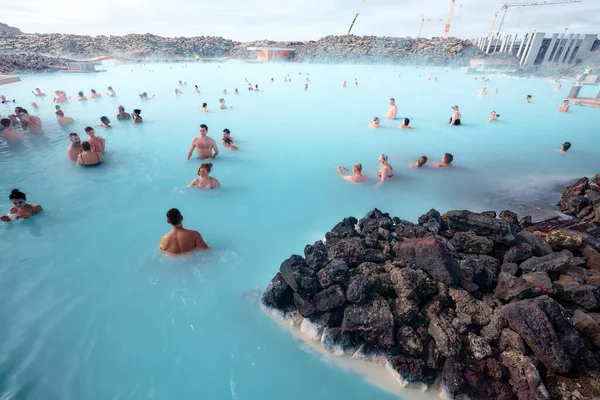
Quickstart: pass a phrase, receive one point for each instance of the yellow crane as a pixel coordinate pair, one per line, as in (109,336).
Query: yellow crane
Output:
(449,22)
(423,20)
(506,7)
(354,20)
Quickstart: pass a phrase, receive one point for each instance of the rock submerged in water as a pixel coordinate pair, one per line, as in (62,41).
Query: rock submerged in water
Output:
(485,306)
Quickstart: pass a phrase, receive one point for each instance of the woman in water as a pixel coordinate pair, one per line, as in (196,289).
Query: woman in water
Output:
(420,162)
(405,123)
(256,88)
(137,118)
(20,209)
(60,116)
(227,140)
(529,99)
(204,107)
(375,123)
(105,122)
(122,115)
(81,96)
(357,177)
(222,105)
(493,117)
(224,91)
(306,86)
(196,90)
(386,170)
(111,92)
(204,181)
(88,157)
(236,91)
(455,118)
(95,95)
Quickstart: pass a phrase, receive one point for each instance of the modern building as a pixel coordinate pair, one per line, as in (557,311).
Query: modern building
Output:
(537,48)
(272,53)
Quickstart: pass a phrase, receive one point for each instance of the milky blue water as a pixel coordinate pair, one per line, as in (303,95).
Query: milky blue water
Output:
(90,309)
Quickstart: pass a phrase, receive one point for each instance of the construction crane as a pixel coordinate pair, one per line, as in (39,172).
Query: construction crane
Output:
(354,20)
(423,20)
(449,22)
(506,7)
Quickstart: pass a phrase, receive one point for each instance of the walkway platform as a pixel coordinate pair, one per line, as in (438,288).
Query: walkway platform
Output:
(583,101)
(6,79)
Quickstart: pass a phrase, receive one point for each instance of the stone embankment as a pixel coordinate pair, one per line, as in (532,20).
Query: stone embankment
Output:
(469,303)
(30,63)
(334,49)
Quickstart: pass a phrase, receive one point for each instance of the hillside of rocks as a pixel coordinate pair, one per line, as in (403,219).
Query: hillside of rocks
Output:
(473,304)
(30,63)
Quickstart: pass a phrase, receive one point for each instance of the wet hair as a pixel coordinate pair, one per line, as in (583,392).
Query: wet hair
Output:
(204,126)
(256,86)
(221,100)
(86,146)
(137,111)
(89,129)
(37,88)
(383,159)
(57,107)
(93,91)
(528,96)
(358,167)
(566,101)
(196,86)
(204,105)
(449,157)
(5,122)
(80,93)
(405,121)
(455,107)
(73,134)
(104,119)
(392,99)
(22,110)
(16,194)
(375,119)
(207,165)
(227,131)
(421,161)
(59,112)
(566,146)
(110,88)
(174,216)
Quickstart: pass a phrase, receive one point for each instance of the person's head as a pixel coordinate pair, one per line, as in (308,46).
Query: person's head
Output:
(421,161)
(121,109)
(226,131)
(90,131)
(180,82)
(203,130)
(204,170)
(57,107)
(93,91)
(493,114)
(80,93)
(448,158)
(5,122)
(18,198)
(221,100)
(455,107)
(204,105)
(105,120)
(174,217)
(137,112)
(392,101)
(528,97)
(74,138)
(144,94)
(256,86)
(236,90)
(110,88)
(566,146)
(86,146)
(383,159)
(405,121)
(376,120)
(59,113)
(357,168)
(566,102)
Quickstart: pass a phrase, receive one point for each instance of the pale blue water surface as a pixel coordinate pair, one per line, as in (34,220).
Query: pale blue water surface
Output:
(89,307)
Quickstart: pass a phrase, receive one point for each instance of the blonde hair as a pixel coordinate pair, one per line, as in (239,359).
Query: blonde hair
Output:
(383,159)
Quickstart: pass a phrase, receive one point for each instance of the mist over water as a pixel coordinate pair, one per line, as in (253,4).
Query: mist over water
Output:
(92,310)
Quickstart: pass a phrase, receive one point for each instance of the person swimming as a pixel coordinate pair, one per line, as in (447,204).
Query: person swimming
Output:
(20,209)
(564,107)
(393,110)
(357,177)
(455,118)
(236,91)
(95,95)
(61,97)
(227,140)
(495,91)
(344,84)
(204,108)
(204,181)
(196,90)
(105,122)
(38,93)
(529,99)
(180,240)
(493,117)
(222,105)
(81,96)
(482,91)
(111,92)
(122,115)
(565,147)
(375,123)
(405,123)
(306,86)
(60,116)
(256,88)
(386,172)
(558,88)
(446,161)
(144,96)
(177,91)
(137,118)
(420,162)
(88,157)
(224,91)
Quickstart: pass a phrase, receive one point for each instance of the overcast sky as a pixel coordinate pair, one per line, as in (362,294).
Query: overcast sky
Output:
(246,20)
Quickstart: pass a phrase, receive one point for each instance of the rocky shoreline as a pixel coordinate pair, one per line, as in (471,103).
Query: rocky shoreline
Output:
(30,63)
(330,49)
(468,303)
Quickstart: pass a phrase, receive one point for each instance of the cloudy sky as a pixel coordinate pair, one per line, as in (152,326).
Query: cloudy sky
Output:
(289,19)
